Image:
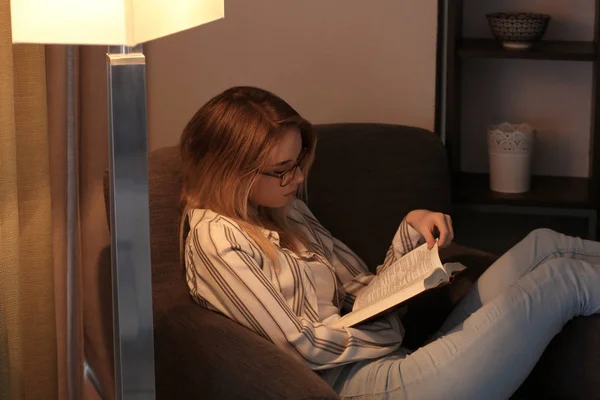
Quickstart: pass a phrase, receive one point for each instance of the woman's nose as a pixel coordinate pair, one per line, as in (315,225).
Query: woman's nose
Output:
(298,175)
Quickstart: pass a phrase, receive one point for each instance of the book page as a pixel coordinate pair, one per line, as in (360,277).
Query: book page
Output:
(452,268)
(413,267)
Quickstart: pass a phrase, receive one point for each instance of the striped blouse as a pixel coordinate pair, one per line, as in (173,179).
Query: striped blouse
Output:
(291,304)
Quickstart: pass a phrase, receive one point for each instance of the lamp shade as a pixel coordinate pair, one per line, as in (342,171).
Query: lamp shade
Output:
(107,22)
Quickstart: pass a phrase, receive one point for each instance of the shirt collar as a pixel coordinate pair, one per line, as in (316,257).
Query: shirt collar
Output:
(273,236)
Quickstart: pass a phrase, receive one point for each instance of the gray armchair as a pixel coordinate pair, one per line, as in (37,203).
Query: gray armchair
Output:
(366,177)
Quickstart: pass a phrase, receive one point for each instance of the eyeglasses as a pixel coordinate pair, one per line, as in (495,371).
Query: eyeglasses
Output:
(286,177)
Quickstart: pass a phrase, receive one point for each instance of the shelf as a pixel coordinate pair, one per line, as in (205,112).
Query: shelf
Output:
(546,191)
(543,50)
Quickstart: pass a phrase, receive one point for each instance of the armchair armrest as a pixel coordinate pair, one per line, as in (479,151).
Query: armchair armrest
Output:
(569,366)
(202,353)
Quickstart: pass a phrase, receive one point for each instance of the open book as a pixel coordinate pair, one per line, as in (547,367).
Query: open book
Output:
(415,272)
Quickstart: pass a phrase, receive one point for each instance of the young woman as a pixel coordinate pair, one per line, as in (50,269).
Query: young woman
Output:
(256,254)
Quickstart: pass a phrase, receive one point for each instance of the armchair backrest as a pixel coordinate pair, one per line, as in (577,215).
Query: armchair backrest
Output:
(367,177)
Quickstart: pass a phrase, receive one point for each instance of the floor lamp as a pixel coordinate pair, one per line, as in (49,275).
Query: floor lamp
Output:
(122,25)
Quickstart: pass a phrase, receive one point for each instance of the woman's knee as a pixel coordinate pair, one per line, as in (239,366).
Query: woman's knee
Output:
(572,277)
(543,235)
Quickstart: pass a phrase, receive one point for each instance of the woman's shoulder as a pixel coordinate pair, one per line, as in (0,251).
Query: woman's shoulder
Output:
(202,216)
(214,235)
(203,221)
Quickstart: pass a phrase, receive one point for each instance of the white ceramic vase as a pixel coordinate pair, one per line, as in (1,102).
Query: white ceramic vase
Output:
(510,148)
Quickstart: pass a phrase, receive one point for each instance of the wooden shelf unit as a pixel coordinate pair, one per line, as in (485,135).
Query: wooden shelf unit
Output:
(568,193)
(543,50)
(546,191)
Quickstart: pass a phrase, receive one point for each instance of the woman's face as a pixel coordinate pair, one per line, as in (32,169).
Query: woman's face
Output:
(267,190)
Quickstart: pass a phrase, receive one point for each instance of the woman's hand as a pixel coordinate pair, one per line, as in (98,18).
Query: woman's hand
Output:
(428,223)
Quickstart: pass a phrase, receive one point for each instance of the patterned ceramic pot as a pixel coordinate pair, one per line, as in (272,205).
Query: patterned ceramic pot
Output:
(510,138)
(518,30)
(510,148)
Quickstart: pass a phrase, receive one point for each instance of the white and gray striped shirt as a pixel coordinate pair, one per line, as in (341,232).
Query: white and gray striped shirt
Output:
(293,303)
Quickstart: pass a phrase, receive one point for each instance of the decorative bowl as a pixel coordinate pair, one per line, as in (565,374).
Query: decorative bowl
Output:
(518,30)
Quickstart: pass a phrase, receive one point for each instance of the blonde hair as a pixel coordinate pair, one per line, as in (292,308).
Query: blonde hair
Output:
(225,147)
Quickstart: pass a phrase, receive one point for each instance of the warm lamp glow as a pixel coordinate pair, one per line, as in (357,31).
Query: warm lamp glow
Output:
(107,22)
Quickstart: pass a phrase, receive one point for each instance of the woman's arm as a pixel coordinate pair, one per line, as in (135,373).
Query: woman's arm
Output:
(405,240)
(224,268)
(350,268)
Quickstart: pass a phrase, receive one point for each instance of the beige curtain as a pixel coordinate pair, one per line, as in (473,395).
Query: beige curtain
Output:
(67,255)
(28,350)
(84,318)
(55,293)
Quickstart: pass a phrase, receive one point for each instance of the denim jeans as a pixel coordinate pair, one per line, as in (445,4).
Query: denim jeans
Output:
(493,338)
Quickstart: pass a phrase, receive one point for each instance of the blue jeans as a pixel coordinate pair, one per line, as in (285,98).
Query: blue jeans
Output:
(496,334)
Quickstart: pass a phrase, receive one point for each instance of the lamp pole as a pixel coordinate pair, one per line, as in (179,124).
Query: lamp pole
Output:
(130,224)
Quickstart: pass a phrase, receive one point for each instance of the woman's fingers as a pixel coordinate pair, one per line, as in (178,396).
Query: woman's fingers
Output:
(440,222)
(450,228)
(428,235)
(428,222)
(444,225)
